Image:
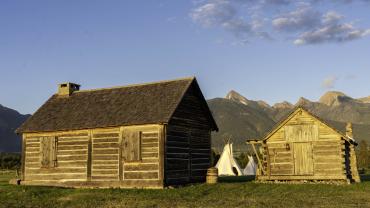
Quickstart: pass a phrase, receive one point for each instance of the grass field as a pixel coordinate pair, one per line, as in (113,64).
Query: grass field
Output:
(239,192)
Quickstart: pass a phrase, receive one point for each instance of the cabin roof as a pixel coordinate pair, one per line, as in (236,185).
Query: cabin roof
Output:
(338,127)
(147,103)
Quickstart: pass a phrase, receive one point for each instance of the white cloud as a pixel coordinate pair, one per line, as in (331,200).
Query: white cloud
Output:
(224,14)
(213,13)
(301,19)
(331,29)
(329,82)
(247,19)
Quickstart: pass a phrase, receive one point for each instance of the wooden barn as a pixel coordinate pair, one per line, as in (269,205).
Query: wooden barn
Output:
(146,136)
(305,148)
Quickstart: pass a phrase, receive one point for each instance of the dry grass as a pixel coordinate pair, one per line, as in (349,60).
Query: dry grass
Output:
(232,192)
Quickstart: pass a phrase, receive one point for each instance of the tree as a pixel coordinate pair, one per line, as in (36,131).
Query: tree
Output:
(242,160)
(10,160)
(363,155)
(214,158)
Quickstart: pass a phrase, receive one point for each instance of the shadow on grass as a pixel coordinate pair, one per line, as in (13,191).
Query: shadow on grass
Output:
(238,179)
(365,177)
(235,179)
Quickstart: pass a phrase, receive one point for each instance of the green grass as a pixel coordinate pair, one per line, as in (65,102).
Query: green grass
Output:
(230,192)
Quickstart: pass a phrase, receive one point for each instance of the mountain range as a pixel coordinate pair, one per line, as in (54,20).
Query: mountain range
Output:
(240,119)
(9,121)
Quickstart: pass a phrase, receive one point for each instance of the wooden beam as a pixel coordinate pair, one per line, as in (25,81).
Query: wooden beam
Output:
(23,159)
(258,158)
(89,156)
(132,183)
(305,177)
(120,149)
(353,164)
(161,152)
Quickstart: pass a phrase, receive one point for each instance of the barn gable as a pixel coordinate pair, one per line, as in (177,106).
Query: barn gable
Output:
(194,103)
(304,121)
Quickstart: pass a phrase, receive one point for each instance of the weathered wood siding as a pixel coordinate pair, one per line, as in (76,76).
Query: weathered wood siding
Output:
(97,157)
(188,142)
(304,148)
(71,157)
(105,154)
(149,166)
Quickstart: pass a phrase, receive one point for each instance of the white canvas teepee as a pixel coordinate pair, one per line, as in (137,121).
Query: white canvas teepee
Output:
(226,165)
(251,167)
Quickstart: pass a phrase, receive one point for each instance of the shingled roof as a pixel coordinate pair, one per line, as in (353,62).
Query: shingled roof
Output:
(128,105)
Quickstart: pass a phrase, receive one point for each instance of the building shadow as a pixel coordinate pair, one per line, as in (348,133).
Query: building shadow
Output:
(365,177)
(235,179)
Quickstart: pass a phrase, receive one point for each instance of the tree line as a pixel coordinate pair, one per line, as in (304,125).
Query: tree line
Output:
(10,161)
(363,156)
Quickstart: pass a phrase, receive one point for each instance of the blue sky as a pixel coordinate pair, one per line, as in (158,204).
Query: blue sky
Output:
(271,50)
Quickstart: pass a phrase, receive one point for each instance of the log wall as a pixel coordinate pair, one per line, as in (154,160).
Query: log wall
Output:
(71,153)
(105,155)
(305,148)
(188,142)
(95,158)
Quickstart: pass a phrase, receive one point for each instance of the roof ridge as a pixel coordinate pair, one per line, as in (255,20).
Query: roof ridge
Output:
(135,85)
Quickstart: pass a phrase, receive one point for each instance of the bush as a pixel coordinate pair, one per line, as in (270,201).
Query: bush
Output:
(214,158)
(242,160)
(10,161)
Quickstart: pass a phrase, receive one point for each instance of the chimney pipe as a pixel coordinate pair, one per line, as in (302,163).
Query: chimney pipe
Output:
(66,89)
(349,130)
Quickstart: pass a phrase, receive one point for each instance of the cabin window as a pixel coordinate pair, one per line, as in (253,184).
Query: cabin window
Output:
(132,146)
(48,152)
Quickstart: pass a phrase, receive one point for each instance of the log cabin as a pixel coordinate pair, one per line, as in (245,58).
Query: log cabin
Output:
(149,135)
(304,148)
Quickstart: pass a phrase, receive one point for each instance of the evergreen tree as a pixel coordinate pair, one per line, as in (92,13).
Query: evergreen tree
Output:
(242,160)
(363,155)
(214,158)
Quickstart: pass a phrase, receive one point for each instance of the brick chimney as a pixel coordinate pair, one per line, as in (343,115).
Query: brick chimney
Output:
(66,89)
(349,130)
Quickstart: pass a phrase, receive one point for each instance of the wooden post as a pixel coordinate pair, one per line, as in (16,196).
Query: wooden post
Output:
(353,163)
(23,165)
(120,149)
(267,155)
(89,156)
(189,154)
(258,158)
(161,152)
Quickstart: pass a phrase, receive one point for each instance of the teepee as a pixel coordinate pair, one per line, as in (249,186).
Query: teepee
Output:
(251,167)
(226,165)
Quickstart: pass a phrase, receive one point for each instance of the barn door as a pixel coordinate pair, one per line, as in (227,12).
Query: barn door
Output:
(303,161)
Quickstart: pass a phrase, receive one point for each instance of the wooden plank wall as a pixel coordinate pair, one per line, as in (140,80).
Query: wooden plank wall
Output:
(177,155)
(105,155)
(280,159)
(188,142)
(71,158)
(329,158)
(149,167)
(95,157)
(328,155)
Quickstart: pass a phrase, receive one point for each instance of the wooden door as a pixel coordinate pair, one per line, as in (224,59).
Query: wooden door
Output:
(131,146)
(303,161)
